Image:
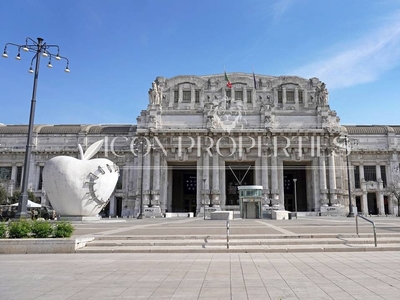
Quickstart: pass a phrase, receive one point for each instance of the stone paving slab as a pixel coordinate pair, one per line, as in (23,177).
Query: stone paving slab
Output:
(311,276)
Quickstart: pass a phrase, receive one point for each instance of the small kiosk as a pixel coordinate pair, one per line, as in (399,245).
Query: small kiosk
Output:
(250,200)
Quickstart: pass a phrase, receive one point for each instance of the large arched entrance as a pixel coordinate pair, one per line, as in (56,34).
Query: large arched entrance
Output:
(295,192)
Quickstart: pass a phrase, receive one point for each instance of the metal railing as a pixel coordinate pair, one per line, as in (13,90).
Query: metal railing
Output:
(373,226)
(227,234)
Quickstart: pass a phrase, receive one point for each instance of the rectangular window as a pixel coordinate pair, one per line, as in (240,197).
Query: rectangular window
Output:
(19,177)
(40,184)
(5,173)
(279,96)
(357,177)
(176,96)
(370,173)
(228,93)
(249,97)
(290,97)
(187,96)
(300,96)
(383,175)
(239,95)
(197,96)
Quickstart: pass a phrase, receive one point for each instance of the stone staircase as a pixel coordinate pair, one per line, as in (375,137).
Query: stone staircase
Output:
(242,243)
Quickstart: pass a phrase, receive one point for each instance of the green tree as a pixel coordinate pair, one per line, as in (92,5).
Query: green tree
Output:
(3,195)
(15,196)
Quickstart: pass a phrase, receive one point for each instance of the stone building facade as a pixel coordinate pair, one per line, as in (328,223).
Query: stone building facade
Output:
(199,139)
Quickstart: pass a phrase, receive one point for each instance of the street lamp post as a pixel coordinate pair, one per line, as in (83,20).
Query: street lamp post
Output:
(351,213)
(295,196)
(39,48)
(140,216)
(204,198)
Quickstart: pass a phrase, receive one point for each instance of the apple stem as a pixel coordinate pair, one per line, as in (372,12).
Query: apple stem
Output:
(81,152)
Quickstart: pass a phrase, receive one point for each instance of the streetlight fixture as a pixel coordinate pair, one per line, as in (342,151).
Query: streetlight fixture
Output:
(39,48)
(140,216)
(295,196)
(204,198)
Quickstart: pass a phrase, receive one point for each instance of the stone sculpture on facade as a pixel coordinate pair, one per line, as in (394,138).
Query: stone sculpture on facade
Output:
(322,95)
(80,187)
(155,94)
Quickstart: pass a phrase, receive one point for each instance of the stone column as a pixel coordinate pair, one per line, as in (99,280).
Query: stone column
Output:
(180,98)
(362,176)
(322,178)
(206,173)
(164,181)
(215,180)
(264,171)
(156,178)
(381,202)
(296,96)
(14,171)
(379,198)
(305,100)
(364,200)
(378,173)
(264,177)
(283,95)
(274,179)
(199,192)
(192,95)
(275,96)
(332,179)
(146,178)
(171,98)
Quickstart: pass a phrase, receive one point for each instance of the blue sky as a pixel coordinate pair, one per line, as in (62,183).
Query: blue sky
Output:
(117,48)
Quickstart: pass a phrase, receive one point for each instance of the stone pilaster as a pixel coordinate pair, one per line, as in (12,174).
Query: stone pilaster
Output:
(206,178)
(146,178)
(156,178)
(264,172)
(364,200)
(332,179)
(322,179)
(215,180)
(274,178)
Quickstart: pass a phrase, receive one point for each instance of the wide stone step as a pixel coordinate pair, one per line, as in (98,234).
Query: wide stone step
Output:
(240,249)
(242,237)
(238,242)
(255,243)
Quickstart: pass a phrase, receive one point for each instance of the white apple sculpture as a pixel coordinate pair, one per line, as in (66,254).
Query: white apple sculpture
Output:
(80,187)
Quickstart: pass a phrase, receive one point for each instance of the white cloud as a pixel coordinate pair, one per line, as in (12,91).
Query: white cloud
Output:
(279,8)
(363,61)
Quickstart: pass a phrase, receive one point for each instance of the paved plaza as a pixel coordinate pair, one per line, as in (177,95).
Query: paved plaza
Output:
(372,275)
(329,275)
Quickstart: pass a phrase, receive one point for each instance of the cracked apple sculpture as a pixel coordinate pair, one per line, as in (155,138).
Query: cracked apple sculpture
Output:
(80,187)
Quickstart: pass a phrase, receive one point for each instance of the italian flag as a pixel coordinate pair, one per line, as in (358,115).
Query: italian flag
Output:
(228,83)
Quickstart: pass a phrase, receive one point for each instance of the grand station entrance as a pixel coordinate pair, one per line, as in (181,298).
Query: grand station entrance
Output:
(295,189)
(184,187)
(237,174)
